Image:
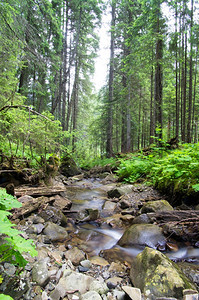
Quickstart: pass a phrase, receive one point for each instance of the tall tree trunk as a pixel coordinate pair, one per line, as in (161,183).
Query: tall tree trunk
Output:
(176,65)
(158,76)
(152,111)
(189,121)
(109,143)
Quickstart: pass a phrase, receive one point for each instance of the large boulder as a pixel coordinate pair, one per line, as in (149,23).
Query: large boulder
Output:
(143,235)
(157,276)
(158,205)
(53,214)
(68,166)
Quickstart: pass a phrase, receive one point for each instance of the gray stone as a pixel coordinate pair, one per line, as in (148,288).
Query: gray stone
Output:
(86,263)
(119,295)
(143,235)
(9,269)
(99,287)
(40,273)
(132,292)
(109,205)
(87,215)
(53,214)
(119,191)
(75,255)
(55,232)
(142,219)
(91,295)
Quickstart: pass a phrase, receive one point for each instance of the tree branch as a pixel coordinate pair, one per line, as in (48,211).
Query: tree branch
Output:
(26,107)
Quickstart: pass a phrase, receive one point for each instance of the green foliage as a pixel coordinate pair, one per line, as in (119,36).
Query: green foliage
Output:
(12,245)
(99,162)
(173,171)
(136,168)
(5,297)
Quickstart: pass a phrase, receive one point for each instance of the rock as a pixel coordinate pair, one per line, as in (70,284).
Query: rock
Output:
(87,215)
(62,203)
(35,228)
(125,203)
(190,270)
(55,232)
(68,166)
(113,282)
(119,191)
(71,281)
(127,219)
(142,219)
(132,292)
(117,267)
(119,295)
(25,199)
(99,287)
(9,269)
(100,261)
(158,205)
(40,273)
(75,255)
(191,297)
(86,263)
(109,205)
(53,214)
(155,274)
(142,235)
(91,295)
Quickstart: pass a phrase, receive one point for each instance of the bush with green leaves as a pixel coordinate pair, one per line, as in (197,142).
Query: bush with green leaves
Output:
(12,244)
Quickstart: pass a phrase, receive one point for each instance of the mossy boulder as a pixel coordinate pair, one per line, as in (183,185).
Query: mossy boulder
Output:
(143,235)
(157,276)
(68,166)
(158,205)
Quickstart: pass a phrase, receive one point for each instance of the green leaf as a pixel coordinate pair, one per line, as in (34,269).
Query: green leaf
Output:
(196,187)
(5,297)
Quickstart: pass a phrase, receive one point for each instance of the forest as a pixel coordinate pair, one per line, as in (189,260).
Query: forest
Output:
(48,50)
(142,125)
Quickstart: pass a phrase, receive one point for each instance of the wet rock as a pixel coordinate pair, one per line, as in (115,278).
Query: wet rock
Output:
(158,205)
(35,228)
(119,191)
(132,292)
(117,267)
(9,269)
(113,282)
(53,214)
(109,205)
(87,215)
(119,295)
(143,235)
(75,255)
(127,219)
(40,273)
(157,276)
(55,232)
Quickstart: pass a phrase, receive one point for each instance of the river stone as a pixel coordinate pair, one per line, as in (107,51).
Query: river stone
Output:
(143,219)
(55,232)
(157,276)
(158,205)
(87,215)
(143,235)
(40,273)
(75,255)
(109,205)
(190,270)
(91,295)
(99,261)
(62,203)
(119,191)
(53,214)
(132,292)
(99,287)
(71,281)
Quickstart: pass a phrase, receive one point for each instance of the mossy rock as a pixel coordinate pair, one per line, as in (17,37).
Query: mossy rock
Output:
(157,276)
(158,205)
(68,166)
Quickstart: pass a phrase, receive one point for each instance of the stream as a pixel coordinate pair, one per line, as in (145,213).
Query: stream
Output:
(92,194)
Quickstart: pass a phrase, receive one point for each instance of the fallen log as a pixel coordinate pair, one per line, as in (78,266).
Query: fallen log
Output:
(39,191)
(183,225)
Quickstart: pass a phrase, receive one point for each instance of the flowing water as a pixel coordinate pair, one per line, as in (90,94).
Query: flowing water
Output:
(91,194)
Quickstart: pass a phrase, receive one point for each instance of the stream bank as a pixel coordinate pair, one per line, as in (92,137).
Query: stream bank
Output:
(81,234)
